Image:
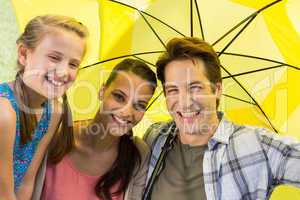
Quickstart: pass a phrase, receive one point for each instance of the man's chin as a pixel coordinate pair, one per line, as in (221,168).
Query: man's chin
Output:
(192,131)
(187,130)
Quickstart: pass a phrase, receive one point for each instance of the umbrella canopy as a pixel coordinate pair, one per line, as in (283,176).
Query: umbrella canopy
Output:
(258,43)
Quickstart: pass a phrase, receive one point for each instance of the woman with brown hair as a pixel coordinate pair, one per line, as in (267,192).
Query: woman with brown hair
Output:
(105,161)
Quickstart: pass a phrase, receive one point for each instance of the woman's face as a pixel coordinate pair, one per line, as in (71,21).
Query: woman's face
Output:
(124,102)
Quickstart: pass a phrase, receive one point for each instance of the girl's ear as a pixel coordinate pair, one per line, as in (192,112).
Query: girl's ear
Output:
(22,54)
(101,92)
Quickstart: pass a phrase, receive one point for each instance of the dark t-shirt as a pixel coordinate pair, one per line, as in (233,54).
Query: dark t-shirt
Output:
(182,176)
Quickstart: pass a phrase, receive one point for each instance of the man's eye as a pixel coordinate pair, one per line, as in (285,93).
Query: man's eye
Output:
(171,91)
(196,88)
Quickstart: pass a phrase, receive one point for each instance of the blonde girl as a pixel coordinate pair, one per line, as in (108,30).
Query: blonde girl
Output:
(49,52)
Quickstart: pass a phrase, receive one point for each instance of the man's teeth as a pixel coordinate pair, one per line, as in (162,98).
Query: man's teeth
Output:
(121,121)
(189,114)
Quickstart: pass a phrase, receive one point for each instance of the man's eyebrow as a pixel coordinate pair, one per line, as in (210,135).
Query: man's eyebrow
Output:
(170,86)
(196,83)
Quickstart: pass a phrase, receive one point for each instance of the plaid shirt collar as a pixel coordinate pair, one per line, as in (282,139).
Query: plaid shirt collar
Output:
(222,133)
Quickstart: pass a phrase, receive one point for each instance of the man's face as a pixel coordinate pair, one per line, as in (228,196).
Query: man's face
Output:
(191,98)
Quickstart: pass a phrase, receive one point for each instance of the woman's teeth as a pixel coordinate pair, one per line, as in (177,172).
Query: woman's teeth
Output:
(119,120)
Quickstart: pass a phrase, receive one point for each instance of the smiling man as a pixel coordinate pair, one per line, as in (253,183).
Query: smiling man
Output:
(200,154)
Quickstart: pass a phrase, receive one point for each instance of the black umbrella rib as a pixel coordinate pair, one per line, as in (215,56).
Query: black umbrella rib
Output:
(232,97)
(269,5)
(145,61)
(199,19)
(153,101)
(237,35)
(115,58)
(253,71)
(160,93)
(153,30)
(232,29)
(145,13)
(243,88)
(246,19)
(260,58)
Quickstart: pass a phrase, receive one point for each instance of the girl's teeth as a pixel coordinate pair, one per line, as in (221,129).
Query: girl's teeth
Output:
(56,83)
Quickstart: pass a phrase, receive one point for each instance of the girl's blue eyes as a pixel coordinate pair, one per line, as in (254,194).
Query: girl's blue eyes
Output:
(57,59)
(54,58)
(74,65)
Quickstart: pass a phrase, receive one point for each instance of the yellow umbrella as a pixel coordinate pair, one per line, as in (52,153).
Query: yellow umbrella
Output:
(258,43)
(259,65)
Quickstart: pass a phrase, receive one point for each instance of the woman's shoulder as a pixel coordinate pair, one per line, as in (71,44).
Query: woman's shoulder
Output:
(141,145)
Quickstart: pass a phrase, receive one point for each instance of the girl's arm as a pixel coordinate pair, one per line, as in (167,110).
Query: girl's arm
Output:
(28,188)
(7,138)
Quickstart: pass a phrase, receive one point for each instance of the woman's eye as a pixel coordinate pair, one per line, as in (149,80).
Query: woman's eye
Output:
(140,107)
(118,97)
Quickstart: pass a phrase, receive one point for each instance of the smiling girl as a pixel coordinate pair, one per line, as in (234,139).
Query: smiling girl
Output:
(49,52)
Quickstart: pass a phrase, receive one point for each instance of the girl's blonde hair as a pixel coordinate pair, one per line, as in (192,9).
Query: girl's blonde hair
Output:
(40,25)
(34,32)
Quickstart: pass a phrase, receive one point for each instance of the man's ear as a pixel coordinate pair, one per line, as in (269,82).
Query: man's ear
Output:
(22,54)
(219,89)
(101,92)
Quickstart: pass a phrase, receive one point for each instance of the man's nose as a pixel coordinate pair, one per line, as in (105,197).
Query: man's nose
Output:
(185,100)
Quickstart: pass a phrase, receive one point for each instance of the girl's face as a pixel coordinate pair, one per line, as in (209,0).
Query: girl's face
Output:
(124,103)
(51,67)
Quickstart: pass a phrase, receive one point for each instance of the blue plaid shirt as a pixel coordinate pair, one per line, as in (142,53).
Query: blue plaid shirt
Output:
(241,162)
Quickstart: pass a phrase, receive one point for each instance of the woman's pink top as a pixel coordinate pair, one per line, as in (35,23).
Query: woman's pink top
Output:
(64,182)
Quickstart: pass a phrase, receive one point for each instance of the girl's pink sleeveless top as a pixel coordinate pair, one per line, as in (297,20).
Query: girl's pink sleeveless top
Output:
(64,182)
